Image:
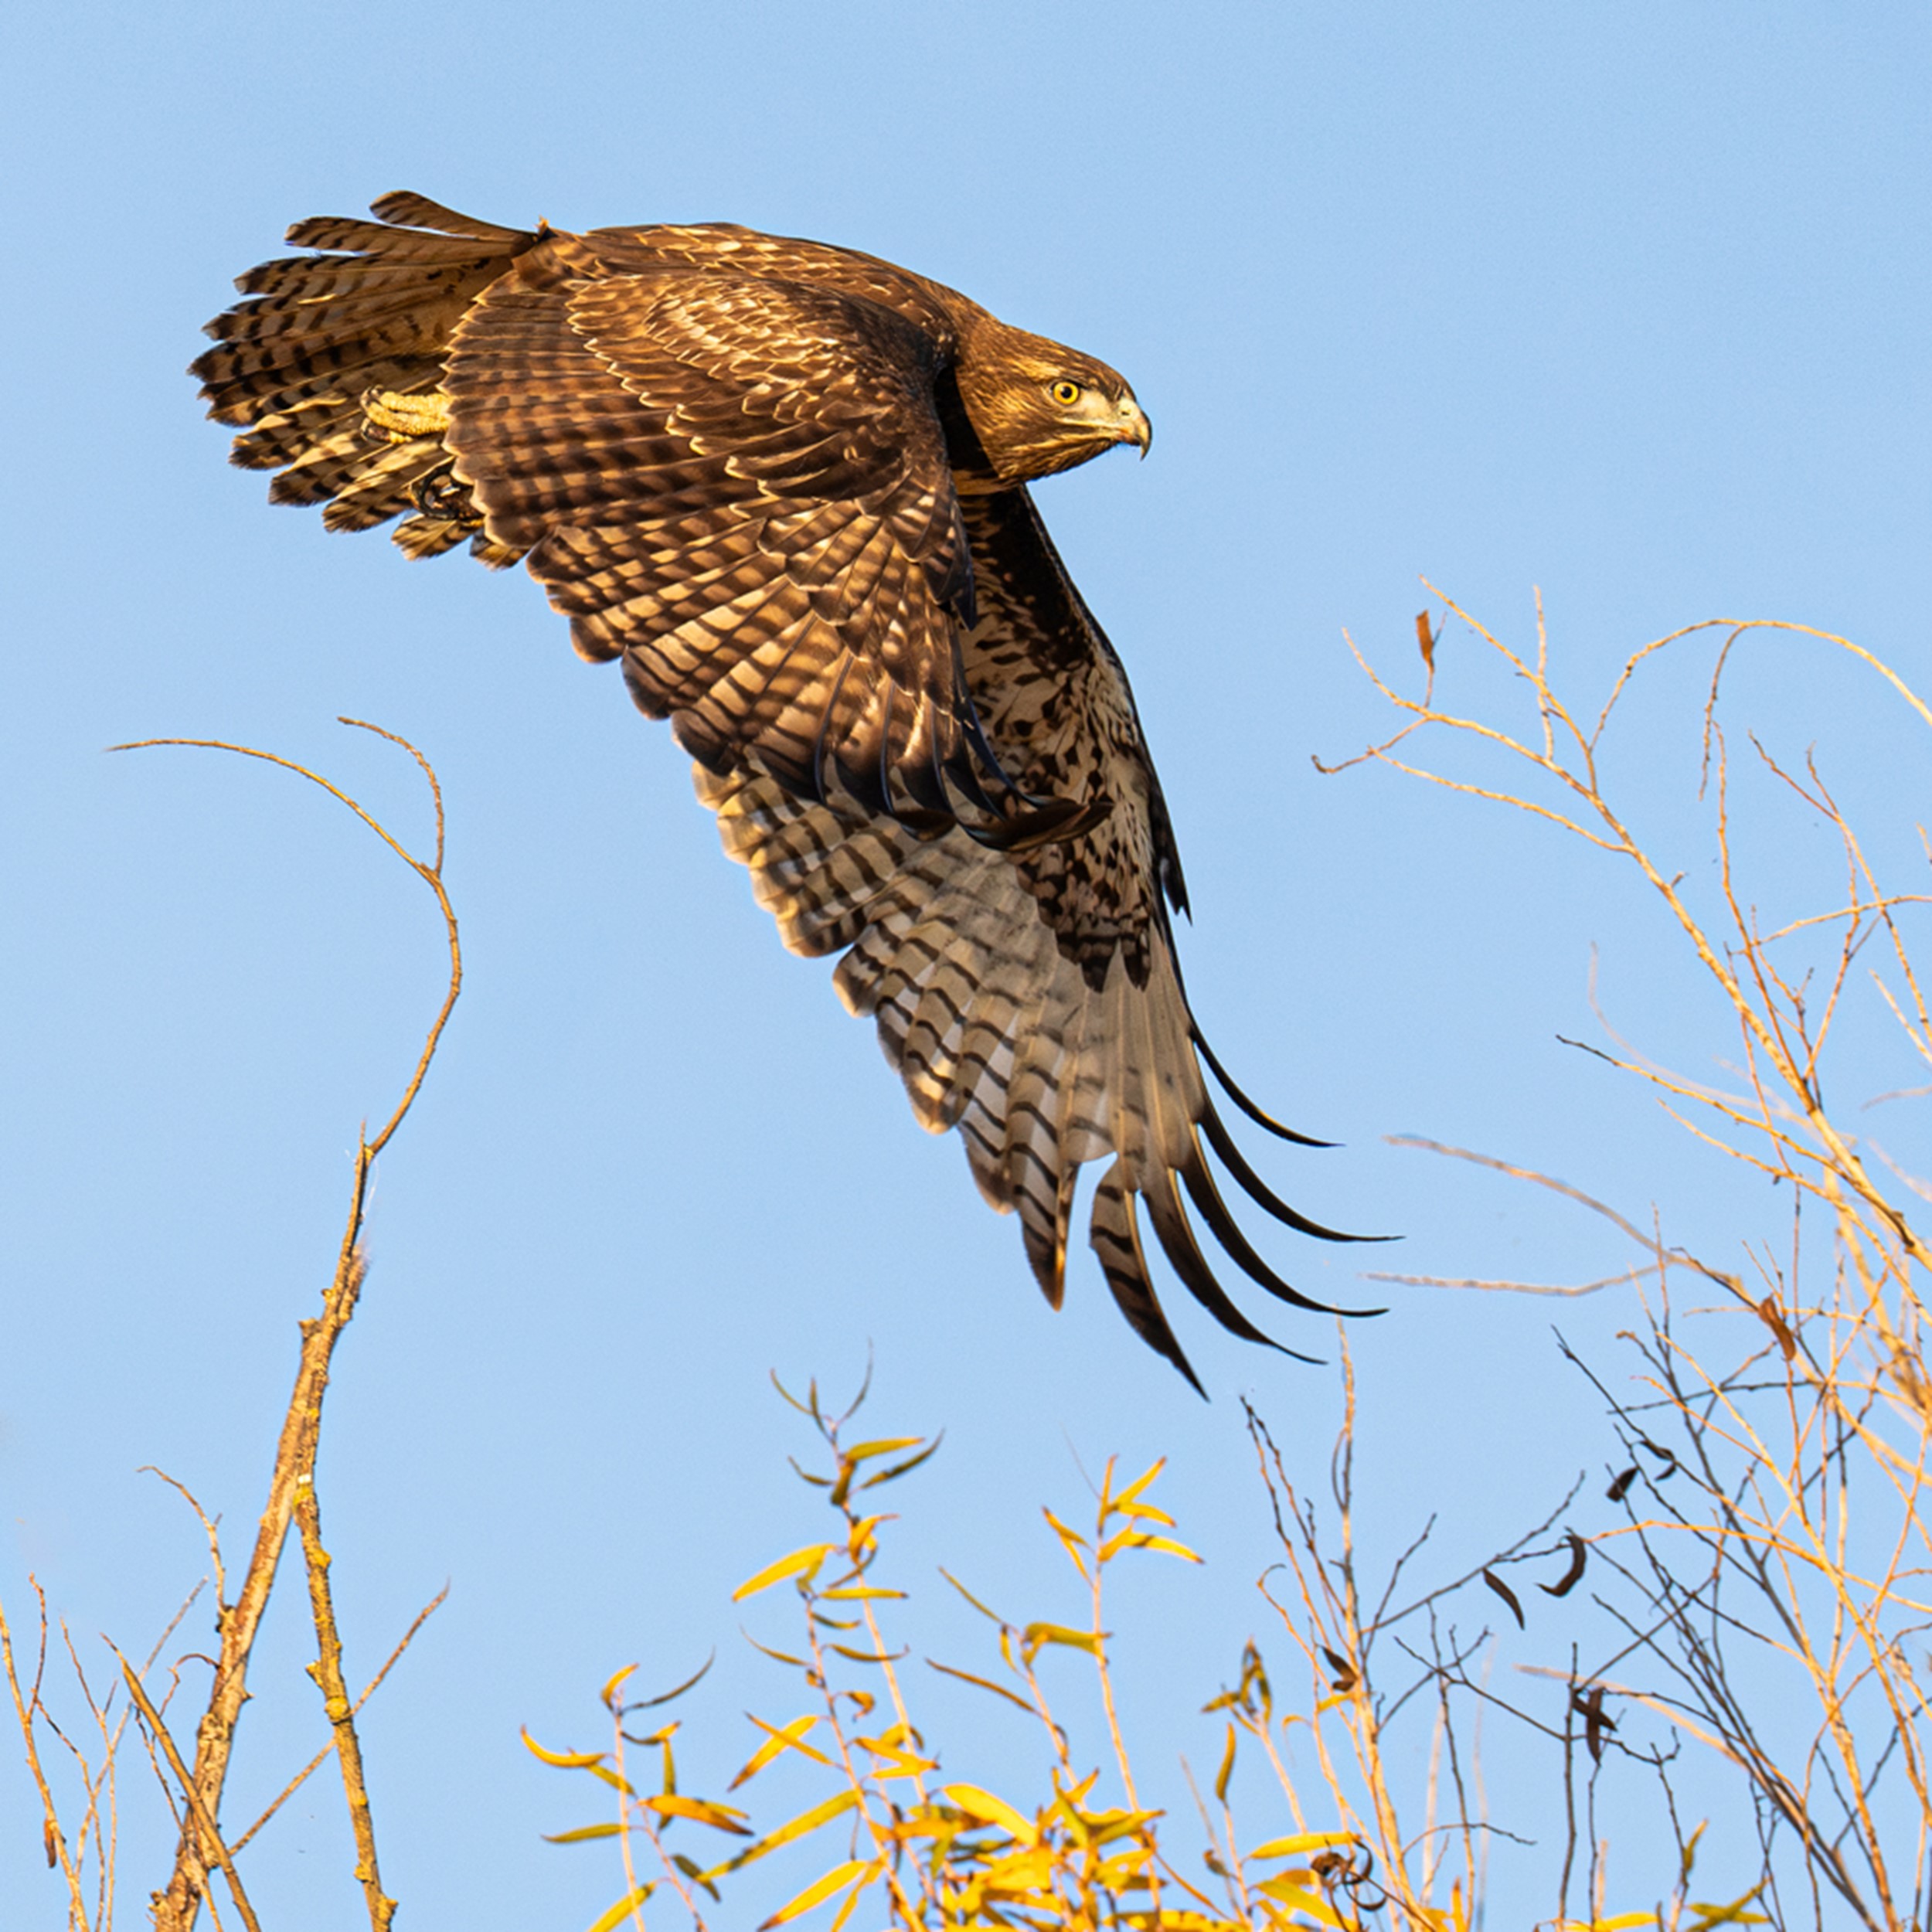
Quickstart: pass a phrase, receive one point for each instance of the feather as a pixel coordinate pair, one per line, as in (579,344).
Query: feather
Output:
(1116,1240)
(418,211)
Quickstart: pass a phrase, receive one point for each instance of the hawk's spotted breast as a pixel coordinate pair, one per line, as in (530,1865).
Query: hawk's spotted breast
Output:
(783,484)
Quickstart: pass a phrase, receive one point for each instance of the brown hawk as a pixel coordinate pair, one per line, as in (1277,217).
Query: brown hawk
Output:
(784,485)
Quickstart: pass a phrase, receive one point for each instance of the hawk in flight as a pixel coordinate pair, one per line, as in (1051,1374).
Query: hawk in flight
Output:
(784,485)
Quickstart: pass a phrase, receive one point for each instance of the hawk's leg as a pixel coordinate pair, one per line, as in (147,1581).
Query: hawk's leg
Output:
(389,417)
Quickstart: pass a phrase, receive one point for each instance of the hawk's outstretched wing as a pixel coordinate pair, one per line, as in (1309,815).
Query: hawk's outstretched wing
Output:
(736,482)
(1032,1001)
(739,487)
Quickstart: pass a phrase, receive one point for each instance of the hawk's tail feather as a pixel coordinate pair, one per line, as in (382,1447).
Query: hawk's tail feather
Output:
(292,359)
(1258,1191)
(1183,1251)
(408,210)
(1253,1109)
(1050,1100)
(327,308)
(1114,1235)
(377,241)
(290,280)
(306,410)
(1198,1177)
(1045,1239)
(425,536)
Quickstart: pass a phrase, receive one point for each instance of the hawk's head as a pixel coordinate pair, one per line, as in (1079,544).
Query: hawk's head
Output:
(1038,407)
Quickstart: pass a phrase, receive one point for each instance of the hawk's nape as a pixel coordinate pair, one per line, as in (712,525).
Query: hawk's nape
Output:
(784,485)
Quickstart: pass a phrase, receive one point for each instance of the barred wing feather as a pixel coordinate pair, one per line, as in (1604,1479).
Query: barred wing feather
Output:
(1030,1001)
(739,488)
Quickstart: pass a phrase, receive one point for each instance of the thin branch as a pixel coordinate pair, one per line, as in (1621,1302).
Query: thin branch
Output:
(294,1468)
(295,1784)
(204,1817)
(327,1671)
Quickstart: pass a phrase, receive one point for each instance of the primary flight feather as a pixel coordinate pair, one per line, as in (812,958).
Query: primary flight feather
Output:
(783,484)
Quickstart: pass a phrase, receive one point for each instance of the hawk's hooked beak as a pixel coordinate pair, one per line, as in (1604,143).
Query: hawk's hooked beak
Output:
(1132,425)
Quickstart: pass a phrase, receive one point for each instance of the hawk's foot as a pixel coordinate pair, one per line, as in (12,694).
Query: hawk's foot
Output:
(439,495)
(392,418)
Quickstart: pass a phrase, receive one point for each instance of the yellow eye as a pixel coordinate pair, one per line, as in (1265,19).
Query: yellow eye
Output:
(1064,393)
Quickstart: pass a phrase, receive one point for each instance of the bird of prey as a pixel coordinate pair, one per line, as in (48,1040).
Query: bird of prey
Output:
(784,485)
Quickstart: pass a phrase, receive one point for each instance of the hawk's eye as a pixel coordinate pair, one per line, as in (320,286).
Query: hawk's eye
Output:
(1064,392)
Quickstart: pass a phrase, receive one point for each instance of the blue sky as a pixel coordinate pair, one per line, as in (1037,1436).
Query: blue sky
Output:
(1626,302)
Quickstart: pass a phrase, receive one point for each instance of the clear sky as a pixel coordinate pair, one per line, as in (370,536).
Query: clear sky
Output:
(1625,301)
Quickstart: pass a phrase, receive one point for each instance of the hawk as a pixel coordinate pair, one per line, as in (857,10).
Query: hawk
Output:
(784,485)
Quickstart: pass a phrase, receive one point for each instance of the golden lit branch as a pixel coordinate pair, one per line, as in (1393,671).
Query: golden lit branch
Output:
(293,1473)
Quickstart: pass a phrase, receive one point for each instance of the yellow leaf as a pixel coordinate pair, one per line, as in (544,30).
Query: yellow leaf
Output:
(858,1892)
(569,1760)
(896,1763)
(1145,1511)
(581,1833)
(804,1563)
(791,1737)
(1282,1847)
(985,1684)
(1134,1490)
(1065,1808)
(990,1810)
(860,1536)
(1021,1872)
(608,1921)
(805,1822)
(1690,1851)
(1227,1768)
(1427,637)
(817,1893)
(696,1873)
(885,1446)
(721,1817)
(776,1656)
(1035,1635)
(851,1592)
(607,1695)
(1126,1871)
(1140,1539)
(992,1616)
(1071,1540)
(1112,1824)
(905,1468)
(1169,1546)
(867,1656)
(1310,1905)
(1732,1914)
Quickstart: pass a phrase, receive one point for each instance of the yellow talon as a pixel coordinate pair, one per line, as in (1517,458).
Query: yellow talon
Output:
(407,419)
